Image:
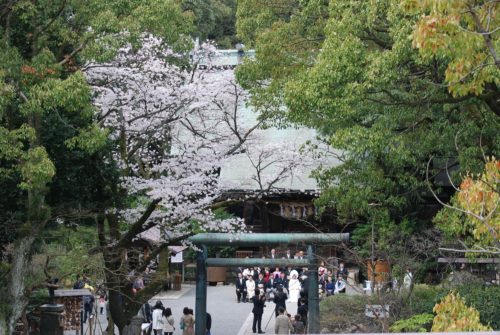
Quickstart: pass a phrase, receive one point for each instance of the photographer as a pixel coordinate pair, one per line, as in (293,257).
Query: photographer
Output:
(258,309)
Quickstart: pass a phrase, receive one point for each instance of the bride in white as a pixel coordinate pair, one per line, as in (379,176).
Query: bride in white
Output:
(294,286)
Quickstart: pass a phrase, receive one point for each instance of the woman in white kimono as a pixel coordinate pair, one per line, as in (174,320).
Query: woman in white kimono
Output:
(250,283)
(294,286)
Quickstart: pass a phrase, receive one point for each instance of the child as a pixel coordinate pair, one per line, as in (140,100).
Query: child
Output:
(102,303)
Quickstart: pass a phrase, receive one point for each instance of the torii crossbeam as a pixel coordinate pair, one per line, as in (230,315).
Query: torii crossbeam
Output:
(269,239)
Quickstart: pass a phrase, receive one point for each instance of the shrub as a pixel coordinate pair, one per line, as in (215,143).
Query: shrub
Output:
(486,299)
(452,315)
(346,313)
(424,298)
(417,323)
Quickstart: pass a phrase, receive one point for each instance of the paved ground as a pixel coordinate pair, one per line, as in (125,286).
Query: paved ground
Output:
(228,316)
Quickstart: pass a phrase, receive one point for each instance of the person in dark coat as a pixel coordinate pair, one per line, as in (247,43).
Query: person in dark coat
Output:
(241,288)
(88,307)
(342,271)
(209,323)
(282,280)
(258,309)
(255,273)
(260,283)
(146,312)
(303,310)
(280,299)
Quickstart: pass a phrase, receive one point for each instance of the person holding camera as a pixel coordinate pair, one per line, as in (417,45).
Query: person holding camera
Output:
(258,309)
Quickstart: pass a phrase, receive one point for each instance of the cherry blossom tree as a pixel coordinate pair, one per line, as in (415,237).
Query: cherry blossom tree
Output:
(175,126)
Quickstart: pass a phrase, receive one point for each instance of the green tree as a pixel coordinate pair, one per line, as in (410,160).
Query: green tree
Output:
(42,92)
(214,20)
(350,71)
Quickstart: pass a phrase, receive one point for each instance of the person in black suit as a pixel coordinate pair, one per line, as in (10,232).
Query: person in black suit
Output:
(283,281)
(280,299)
(302,310)
(256,272)
(258,309)
(259,283)
(241,288)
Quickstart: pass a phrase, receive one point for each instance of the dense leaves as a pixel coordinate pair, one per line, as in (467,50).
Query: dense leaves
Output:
(463,34)
(351,71)
(474,214)
(214,20)
(53,157)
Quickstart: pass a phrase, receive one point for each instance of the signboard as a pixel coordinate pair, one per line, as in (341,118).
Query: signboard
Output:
(177,258)
(377,311)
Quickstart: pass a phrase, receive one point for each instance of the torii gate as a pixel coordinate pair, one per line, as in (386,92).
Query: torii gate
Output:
(269,239)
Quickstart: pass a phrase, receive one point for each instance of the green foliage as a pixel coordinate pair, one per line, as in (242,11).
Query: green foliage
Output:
(214,20)
(485,299)
(287,35)
(89,140)
(37,170)
(420,323)
(424,297)
(452,314)
(12,145)
(349,70)
(67,245)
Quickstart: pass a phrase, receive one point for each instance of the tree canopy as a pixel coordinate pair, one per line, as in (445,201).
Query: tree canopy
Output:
(52,151)
(352,70)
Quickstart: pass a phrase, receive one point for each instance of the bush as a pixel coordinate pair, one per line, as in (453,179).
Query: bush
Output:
(424,297)
(453,315)
(486,299)
(346,313)
(417,323)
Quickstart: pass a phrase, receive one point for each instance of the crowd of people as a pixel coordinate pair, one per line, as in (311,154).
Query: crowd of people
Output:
(285,284)
(253,284)
(293,281)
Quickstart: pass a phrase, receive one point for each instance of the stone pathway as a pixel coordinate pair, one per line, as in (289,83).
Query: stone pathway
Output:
(228,316)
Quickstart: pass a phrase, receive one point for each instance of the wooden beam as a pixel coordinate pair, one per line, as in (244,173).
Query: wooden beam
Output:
(469,260)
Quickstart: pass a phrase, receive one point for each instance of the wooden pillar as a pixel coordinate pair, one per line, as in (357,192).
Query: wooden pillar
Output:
(201,291)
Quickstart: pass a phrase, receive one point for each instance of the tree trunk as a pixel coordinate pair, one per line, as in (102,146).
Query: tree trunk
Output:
(121,307)
(16,285)
(123,303)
